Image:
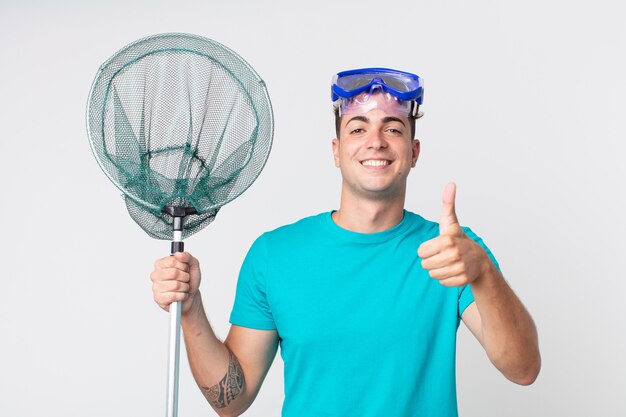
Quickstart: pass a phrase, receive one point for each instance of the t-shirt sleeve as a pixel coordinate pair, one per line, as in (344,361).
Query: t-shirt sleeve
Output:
(465,293)
(251,308)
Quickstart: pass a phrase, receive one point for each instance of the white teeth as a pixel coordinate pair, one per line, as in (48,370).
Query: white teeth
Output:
(375,162)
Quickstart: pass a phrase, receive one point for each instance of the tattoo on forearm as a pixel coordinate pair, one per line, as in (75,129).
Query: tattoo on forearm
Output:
(229,388)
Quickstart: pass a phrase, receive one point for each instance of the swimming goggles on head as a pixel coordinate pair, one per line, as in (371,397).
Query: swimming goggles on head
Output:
(407,88)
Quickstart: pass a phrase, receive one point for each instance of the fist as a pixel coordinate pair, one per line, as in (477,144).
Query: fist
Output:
(175,278)
(452,258)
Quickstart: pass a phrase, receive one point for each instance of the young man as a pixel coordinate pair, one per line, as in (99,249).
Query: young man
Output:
(365,301)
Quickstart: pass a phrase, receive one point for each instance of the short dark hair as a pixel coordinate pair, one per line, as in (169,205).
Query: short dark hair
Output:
(412,120)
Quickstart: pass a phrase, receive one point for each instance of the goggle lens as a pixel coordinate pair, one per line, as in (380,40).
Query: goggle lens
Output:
(366,101)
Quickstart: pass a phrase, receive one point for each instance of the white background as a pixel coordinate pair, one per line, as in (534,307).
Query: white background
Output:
(524,109)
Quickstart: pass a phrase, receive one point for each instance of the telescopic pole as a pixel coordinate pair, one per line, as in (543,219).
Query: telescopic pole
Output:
(178,213)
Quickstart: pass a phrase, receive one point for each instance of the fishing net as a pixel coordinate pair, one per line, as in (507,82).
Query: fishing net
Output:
(178,120)
(182,125)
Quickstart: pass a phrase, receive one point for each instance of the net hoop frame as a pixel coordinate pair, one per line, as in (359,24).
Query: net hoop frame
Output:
(97,81)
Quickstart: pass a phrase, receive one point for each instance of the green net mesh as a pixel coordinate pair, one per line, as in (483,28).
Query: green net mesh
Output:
(180,120)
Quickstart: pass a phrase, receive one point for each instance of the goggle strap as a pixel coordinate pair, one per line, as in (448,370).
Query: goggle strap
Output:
(414,109)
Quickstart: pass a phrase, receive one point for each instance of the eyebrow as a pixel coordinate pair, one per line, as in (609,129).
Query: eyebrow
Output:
(385,120)
(358,118)
(393,119)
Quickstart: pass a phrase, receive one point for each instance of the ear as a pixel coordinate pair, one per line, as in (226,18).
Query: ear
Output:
(336,145)
(416,151)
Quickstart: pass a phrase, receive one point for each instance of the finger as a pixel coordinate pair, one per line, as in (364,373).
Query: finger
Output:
(184,257)
(169,274)
(446,272)
(165,299)
(192,262)
(172,286)
(456,281)
(434,246)
(171,262)
(442,259)
(449,223)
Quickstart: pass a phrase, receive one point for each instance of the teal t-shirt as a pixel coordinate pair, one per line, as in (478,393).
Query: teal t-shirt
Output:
(363,330)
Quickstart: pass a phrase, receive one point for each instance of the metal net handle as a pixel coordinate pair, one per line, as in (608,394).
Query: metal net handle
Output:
(173,364)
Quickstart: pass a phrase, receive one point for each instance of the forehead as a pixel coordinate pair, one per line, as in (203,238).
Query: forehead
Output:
(375,116)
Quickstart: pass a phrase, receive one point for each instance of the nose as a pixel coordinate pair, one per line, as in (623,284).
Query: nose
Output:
(377,140)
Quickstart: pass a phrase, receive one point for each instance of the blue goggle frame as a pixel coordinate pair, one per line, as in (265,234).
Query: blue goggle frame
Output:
(403,85)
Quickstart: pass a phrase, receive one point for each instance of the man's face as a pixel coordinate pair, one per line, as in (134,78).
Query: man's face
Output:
(375,153)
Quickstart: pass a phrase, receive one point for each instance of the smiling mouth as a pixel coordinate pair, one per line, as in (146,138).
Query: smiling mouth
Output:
(375,162)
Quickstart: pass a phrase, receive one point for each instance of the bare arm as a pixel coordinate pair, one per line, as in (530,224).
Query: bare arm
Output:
(497,318)
(503,327)
(228,373)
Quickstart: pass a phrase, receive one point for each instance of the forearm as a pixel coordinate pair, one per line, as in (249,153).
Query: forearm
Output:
(214,367)
(509,334)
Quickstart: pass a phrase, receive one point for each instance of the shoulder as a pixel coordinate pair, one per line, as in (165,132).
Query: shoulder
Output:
(428,227)
(421,226)
(305,223)
(301,230)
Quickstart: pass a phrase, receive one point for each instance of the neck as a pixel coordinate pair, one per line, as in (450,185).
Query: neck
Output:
(368,215)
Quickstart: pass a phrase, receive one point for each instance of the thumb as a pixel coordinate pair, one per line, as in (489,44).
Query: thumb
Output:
(449,224)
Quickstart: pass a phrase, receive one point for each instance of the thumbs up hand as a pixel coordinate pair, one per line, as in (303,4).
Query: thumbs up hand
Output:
(452,258)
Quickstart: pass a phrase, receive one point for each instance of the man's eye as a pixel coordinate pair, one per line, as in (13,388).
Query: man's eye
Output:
(357,131)
(394,131)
